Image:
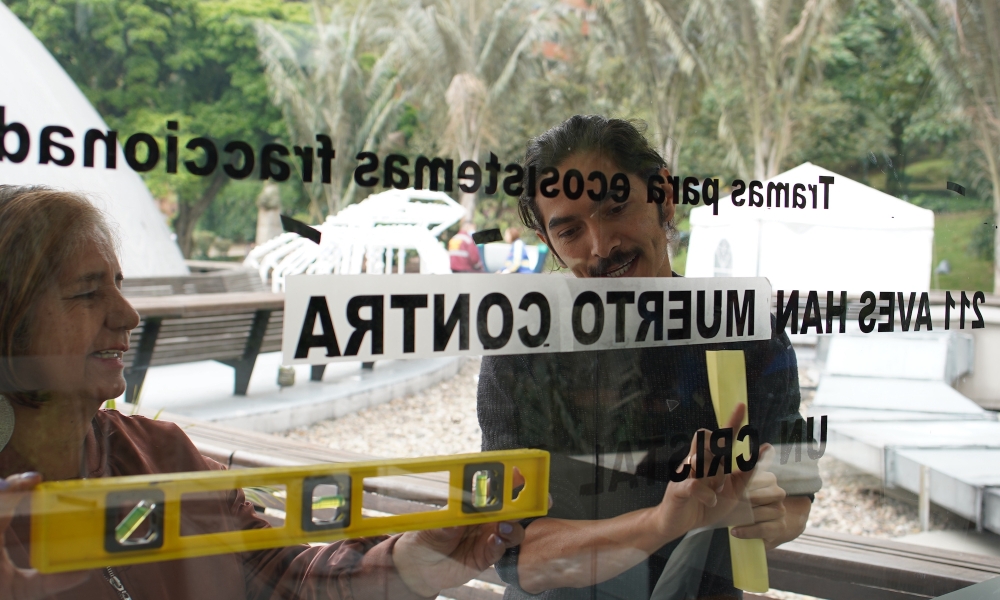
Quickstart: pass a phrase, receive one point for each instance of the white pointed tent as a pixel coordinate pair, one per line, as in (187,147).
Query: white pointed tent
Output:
(866,240)
(37,92)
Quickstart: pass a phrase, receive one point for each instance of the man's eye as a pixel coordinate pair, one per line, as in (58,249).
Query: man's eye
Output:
(617,209)
(87,295)
(565,234)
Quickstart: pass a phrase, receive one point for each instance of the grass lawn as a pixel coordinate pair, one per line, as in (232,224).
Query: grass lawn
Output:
(952,232)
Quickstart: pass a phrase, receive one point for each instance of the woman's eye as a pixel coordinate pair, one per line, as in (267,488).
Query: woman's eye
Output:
(87,295)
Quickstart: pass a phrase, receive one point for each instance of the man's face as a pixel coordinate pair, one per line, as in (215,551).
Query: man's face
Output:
(608,238)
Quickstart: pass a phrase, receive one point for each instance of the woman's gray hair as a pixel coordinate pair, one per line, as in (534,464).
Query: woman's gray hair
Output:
(40,229)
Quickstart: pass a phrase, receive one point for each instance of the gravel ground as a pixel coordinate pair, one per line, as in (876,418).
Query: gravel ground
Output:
(438,420)
(850,501)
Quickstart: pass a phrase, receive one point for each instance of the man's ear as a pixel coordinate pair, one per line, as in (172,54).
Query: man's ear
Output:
(545,240)
(668,199)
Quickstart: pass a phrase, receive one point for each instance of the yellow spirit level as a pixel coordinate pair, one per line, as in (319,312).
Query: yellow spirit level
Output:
(78,524)
(727,382)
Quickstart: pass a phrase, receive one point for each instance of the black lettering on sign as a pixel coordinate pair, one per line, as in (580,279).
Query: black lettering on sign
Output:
(704,330)
(326,339)
(976,299)
(152,152)
(778,188)
(683,313)
(588,337)
(394,175)
(924,313)
(817,452)
(110,140)
(534,340)
(949,303)
(681,445)
(654,316)
(747,464)
(811,316)
(375,324)
(699,454)
(905,313)
(211,156)
(370,166)
(443,329)
(469,171)
(47,144)
(436,167)
(272,167)
(889,311)
(620,299)
(965,304)
(788,310)
(733,312)
(721,453)
(488,341)
(868,299)
(839,310)
(409,303)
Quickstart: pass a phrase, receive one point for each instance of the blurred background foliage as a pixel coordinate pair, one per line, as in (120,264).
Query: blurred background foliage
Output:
(899,94)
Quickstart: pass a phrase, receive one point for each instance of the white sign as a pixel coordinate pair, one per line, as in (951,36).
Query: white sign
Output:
(331,318)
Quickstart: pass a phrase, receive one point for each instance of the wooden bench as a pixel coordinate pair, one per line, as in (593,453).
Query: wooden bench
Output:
(221,281)
(231,328)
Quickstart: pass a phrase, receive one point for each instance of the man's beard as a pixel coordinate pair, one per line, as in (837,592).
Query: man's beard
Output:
(616,259)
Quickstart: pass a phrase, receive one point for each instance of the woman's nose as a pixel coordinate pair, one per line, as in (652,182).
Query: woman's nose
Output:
(123,315)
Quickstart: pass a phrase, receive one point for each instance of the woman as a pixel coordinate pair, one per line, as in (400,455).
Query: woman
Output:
(64,328)
(517,258)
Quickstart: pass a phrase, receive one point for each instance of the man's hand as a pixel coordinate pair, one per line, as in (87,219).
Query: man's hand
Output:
(26,584)
(699,502)
(777,518)
(436,559)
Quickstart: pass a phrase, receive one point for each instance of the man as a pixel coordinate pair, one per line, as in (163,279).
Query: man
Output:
(605,536)
(464,252)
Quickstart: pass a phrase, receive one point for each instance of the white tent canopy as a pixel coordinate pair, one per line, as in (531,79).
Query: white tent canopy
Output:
(866,240)
(36,92)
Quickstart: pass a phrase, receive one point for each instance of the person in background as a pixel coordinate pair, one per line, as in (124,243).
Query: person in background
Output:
(464,252)
(64,333)
(517,258)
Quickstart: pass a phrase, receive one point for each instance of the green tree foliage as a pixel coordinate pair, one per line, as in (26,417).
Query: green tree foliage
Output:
(341,76)
(960,41)
(144,62)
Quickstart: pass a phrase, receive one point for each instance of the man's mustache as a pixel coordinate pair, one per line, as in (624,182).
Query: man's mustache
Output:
(616,259)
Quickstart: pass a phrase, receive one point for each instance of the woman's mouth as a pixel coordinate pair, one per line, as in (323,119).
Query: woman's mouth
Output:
(109,354)
(622,270)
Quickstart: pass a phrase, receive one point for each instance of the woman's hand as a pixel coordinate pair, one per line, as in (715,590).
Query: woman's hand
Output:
(26,584)
(701,501)
(437,559)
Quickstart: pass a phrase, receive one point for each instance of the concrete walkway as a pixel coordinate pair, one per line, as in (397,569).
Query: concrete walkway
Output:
(204,390)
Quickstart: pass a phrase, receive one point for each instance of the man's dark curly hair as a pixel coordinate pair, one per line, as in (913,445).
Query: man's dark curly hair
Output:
(620,140)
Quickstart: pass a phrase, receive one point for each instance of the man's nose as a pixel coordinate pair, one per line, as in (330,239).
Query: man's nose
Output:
(603,241)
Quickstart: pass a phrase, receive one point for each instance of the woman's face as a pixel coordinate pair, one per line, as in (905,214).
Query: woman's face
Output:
(79,328)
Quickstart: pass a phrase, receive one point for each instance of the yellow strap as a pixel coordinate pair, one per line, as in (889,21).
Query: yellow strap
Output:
(727,382)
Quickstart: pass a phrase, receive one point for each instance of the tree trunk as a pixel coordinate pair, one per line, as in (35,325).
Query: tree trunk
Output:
(188,213)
